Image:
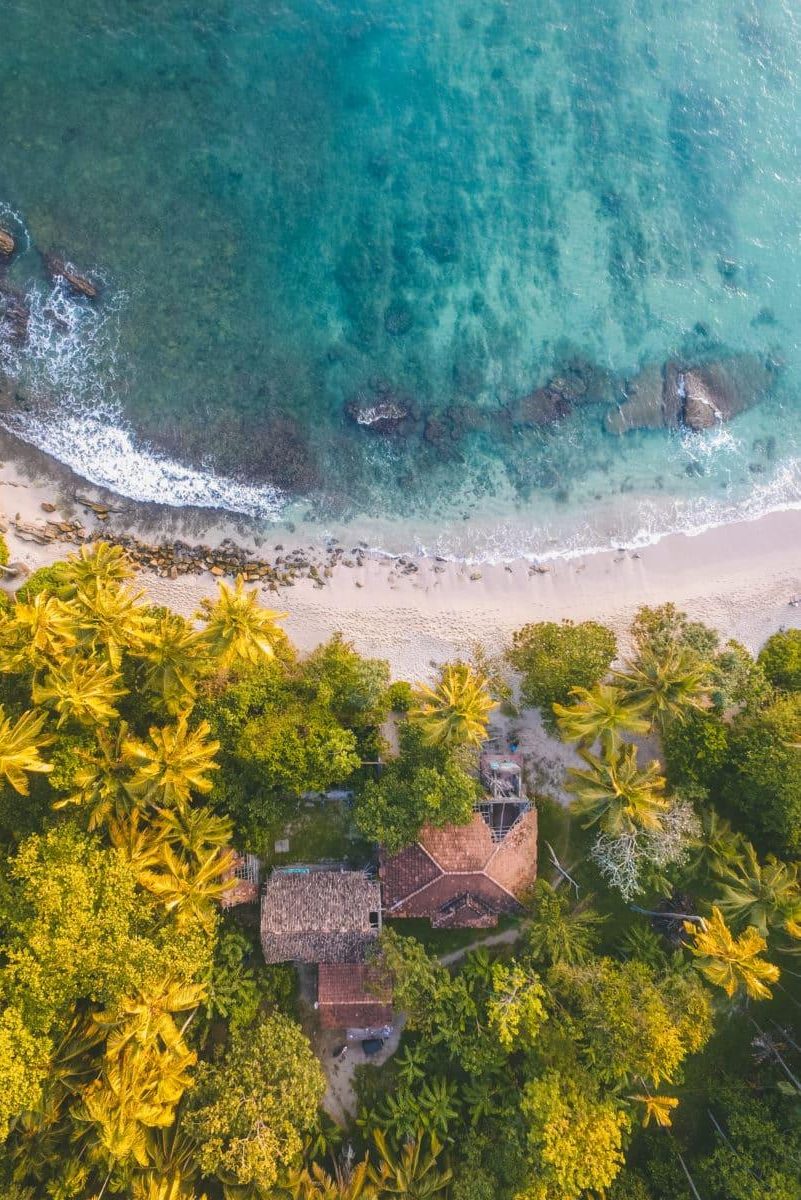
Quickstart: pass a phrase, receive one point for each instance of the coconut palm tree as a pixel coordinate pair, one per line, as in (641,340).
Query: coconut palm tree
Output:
(413,1172)
(147,1018)
(140,845)
(101,777)
(559,932)
(238,628)
(82,690)
(615,794)
(717,847)
(456,711)
(658,1109)
(188,890)
(600,714)
(732,963)
(20,744)
(314,1183)
(175,762)
(664,686)
(44,629)
(172,654)
(194,833)
(111,620)
(94,566)
(766,895)
(172,1166)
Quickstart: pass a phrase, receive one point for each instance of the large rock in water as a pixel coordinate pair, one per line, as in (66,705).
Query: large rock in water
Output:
(648,404)
(7,244)
(698,397)
(718,391)
(81,285)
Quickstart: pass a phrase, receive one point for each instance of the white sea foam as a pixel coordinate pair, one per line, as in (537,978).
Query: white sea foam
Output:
(69,364)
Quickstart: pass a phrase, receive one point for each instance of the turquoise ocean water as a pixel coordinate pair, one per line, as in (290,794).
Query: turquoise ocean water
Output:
(301,210)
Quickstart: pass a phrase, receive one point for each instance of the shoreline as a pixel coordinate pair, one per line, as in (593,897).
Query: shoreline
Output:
(418,612)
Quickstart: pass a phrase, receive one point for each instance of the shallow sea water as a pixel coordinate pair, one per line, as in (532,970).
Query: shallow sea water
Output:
(303,204)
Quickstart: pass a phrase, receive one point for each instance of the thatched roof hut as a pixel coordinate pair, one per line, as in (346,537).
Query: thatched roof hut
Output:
(319,916)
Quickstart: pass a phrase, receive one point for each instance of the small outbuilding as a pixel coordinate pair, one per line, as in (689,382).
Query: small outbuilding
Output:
(351,996)
(319,915)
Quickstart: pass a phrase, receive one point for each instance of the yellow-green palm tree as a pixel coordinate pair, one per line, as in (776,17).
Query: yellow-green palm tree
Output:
(94,566)
(140,845)
(101,777)
(238,629)
(175,762)
(664,686)
(173,654)
(732,963)
(413,1172)
(600,714)
(111,620)
(194,833)
(21,742)
(172,1166)
(456,711)
(658,1109)
(314,1183)
(44,628)
(612,792)
(82,690)
(146,1020)
(189,891)
(766,895)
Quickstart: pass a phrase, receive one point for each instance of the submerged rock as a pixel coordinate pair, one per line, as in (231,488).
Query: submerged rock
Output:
(699,396)
(81,285)
(14,316)
(7,243)
(378,413)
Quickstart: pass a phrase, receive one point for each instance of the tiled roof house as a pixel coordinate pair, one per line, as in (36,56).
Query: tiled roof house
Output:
(462,875)
(351,996)
(319,916)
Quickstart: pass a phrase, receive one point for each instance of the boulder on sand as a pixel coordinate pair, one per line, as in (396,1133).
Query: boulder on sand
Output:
(81,285)
(7,243)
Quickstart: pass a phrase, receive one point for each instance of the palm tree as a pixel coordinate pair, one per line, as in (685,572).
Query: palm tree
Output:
(20,744)
(82,690)
(731,963)
(101,777)
(559,932)
(717,847)
(766,895)
(456,711)
(194,832)
(615,794)
(111,620)
(141,846)
(174,763)
(412,1172)
(238,627)
(658,1109)
(172,654)
(435,1101)
(314,1183)
(189,891)
(94,566)
(45,628)
(664,686)
(146,1019)
(598,714)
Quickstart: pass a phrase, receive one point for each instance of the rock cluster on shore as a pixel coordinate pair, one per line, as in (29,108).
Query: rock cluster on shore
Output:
(172,559)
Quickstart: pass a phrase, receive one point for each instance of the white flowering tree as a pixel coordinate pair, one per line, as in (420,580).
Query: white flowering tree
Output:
(624,860)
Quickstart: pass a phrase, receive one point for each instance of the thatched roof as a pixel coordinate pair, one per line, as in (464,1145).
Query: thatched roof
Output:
(319,916)
(352,996)
(458,875)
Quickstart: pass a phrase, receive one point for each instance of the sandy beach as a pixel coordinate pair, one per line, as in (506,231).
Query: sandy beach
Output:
(739,578)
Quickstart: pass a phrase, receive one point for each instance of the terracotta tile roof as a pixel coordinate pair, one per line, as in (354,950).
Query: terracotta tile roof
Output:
(457,863)
(350,996)
(319,916)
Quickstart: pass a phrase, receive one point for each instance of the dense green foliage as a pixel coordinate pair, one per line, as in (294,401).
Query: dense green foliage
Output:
(780,659)
(147,1052)
(554,658)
